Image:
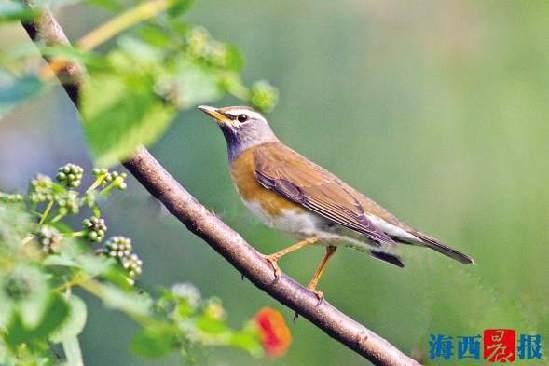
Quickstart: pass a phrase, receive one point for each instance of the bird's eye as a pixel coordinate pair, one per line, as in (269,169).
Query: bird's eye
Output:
(242,118)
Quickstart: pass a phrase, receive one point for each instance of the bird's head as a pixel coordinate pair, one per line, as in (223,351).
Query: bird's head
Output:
(242,126)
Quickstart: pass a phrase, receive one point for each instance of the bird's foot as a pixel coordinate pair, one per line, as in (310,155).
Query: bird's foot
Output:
(319,294)
(273,261)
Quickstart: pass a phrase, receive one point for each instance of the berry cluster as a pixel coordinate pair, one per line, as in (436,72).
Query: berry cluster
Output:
(10,198)
(133,264)
(263,95)
(68,202)
(120,248)
(53,201)
(49,238)
(40,189)
(118,180)
(95,228)
(70,175)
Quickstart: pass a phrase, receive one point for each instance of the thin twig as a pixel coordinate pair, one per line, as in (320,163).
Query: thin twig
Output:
(227,242)
(122,22)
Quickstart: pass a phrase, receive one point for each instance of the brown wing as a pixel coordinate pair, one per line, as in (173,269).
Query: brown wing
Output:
(282,170)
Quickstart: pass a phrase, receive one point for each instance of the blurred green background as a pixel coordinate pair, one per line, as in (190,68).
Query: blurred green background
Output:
(436,109)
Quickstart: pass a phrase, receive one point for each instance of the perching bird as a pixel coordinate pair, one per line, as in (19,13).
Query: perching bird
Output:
(291,193)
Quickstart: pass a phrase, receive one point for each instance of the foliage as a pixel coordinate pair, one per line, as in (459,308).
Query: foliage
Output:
(134,89)
(131,93)
(46,263)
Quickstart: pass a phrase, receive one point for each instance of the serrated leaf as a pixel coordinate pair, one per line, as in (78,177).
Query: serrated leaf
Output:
(17,89)
(33,305)
(120,114)
(17,333)
(197,84)
(15,223)
(154,342)
(75,321)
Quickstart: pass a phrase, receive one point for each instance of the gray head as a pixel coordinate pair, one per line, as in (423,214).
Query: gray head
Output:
(242,126)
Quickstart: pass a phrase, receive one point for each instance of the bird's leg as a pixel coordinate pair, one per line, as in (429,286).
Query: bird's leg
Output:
(330,250)
(275,257)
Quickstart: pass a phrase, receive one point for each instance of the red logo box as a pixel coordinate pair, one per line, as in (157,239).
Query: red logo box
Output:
(499,345)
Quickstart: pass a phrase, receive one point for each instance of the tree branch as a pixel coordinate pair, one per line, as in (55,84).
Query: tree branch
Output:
(227,242)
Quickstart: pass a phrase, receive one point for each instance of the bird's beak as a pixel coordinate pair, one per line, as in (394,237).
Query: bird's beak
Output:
(213,112)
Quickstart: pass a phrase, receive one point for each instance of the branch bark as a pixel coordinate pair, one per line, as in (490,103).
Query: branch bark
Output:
(147,170)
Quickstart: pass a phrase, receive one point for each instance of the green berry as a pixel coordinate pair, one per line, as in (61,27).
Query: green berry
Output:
(49,238)
(117,179)
(118,247)
(95,227)
(133,264)
(68,202)
(70,175)
(40,189)
(99,172)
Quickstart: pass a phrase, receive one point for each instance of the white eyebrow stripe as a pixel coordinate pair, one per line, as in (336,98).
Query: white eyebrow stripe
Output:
(247,112)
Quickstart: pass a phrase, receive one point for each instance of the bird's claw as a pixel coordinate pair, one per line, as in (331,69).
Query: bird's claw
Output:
(273,262)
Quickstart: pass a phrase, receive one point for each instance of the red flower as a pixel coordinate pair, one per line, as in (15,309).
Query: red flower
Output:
(274,333)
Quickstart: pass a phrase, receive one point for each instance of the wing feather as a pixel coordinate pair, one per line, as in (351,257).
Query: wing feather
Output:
(282,170)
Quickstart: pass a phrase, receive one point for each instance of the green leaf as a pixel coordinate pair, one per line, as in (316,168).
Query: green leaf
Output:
(197,84)
(60,260)
(10,11)
(247,340)
(14,90)
(17,332)
(154,342)
(211,325)
(54,3)
(234,60)
(179,7)
(74,323)
(112,5)
(154,36)
(128,302)
(15,223)
(120,114)
(94,265)
(34,290)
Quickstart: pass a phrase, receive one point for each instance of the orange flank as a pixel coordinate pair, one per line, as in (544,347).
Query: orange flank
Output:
(243,174)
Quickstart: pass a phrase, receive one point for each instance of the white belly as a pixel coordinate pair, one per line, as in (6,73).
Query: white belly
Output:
(305,225)
(290,221)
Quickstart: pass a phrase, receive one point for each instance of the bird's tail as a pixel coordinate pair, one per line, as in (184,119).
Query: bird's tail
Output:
(387,257)
(440,247)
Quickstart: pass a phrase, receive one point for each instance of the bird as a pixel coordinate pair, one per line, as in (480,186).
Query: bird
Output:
(290,193)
